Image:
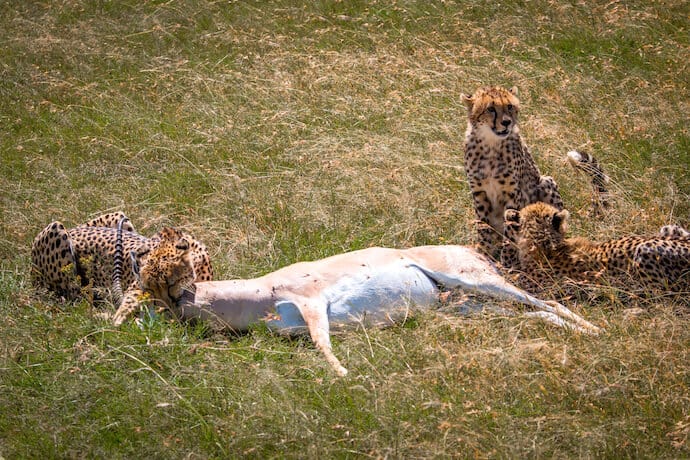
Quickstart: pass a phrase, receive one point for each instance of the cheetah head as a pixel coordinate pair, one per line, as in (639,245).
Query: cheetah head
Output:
(542,229)
(493,110)
(165,266)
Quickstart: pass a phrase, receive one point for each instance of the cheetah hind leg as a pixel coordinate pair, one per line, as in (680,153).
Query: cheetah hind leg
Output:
(53,264)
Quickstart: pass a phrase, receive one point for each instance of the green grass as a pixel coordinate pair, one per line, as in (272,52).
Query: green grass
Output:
(281,131)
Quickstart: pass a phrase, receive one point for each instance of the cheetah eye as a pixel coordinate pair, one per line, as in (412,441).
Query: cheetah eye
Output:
(491,110)
(510,107)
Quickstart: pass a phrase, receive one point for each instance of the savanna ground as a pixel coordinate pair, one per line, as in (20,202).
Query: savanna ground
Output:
(278,132)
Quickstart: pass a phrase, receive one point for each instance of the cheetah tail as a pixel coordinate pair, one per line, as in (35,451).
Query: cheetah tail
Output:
(118,263)
(589,165)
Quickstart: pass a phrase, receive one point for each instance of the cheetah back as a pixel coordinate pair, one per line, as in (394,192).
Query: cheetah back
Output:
(112,220)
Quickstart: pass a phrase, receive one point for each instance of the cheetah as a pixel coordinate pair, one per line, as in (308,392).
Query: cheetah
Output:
(163,269)
(500,170)
(87,262)
(546,256)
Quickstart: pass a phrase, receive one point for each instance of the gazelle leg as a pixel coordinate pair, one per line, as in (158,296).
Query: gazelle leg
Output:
(545,316)
(316,317)
(481,277)
(498,286)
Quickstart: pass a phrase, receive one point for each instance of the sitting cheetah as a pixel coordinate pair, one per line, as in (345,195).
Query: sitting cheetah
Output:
(87,261)
(660,263)
(500,170)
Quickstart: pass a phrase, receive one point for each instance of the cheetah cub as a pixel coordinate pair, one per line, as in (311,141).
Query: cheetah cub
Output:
(547,258)
(500,170)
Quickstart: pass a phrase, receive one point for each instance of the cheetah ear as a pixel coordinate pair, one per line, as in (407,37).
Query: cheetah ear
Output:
(559,221)
(467,100)
(513,91)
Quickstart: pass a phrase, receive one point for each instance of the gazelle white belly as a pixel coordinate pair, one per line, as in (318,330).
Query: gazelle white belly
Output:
(379,295)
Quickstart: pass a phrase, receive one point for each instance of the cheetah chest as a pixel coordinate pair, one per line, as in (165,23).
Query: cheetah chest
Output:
(493,172)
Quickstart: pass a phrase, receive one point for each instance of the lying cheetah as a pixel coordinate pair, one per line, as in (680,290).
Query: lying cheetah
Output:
(546,256)
(84,262)
(500,170)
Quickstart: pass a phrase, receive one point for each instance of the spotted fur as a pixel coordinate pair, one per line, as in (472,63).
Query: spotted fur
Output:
(674,232)
(500,170)
(163,268)
(81,262)
(111,220)
(547,257)
(62,259)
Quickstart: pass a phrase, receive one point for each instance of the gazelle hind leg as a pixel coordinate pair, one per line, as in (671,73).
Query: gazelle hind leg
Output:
(478,275)
(553,318)
(498,286)
(545,316)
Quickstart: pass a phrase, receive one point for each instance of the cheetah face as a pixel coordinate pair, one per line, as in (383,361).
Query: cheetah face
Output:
(165,269)
(493,110)
(542,228)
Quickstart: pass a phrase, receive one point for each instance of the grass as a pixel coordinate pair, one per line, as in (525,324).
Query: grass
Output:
(281,131)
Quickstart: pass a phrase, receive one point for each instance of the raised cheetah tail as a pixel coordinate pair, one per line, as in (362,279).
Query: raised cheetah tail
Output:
(118,262)
(589,165)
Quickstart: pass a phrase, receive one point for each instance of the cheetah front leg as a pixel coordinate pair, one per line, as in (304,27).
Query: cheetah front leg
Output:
(511,229)
(547,192)
(489,237)
(132,301)
(510,258)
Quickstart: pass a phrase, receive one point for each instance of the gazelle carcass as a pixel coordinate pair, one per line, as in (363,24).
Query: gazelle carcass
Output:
(379,285)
